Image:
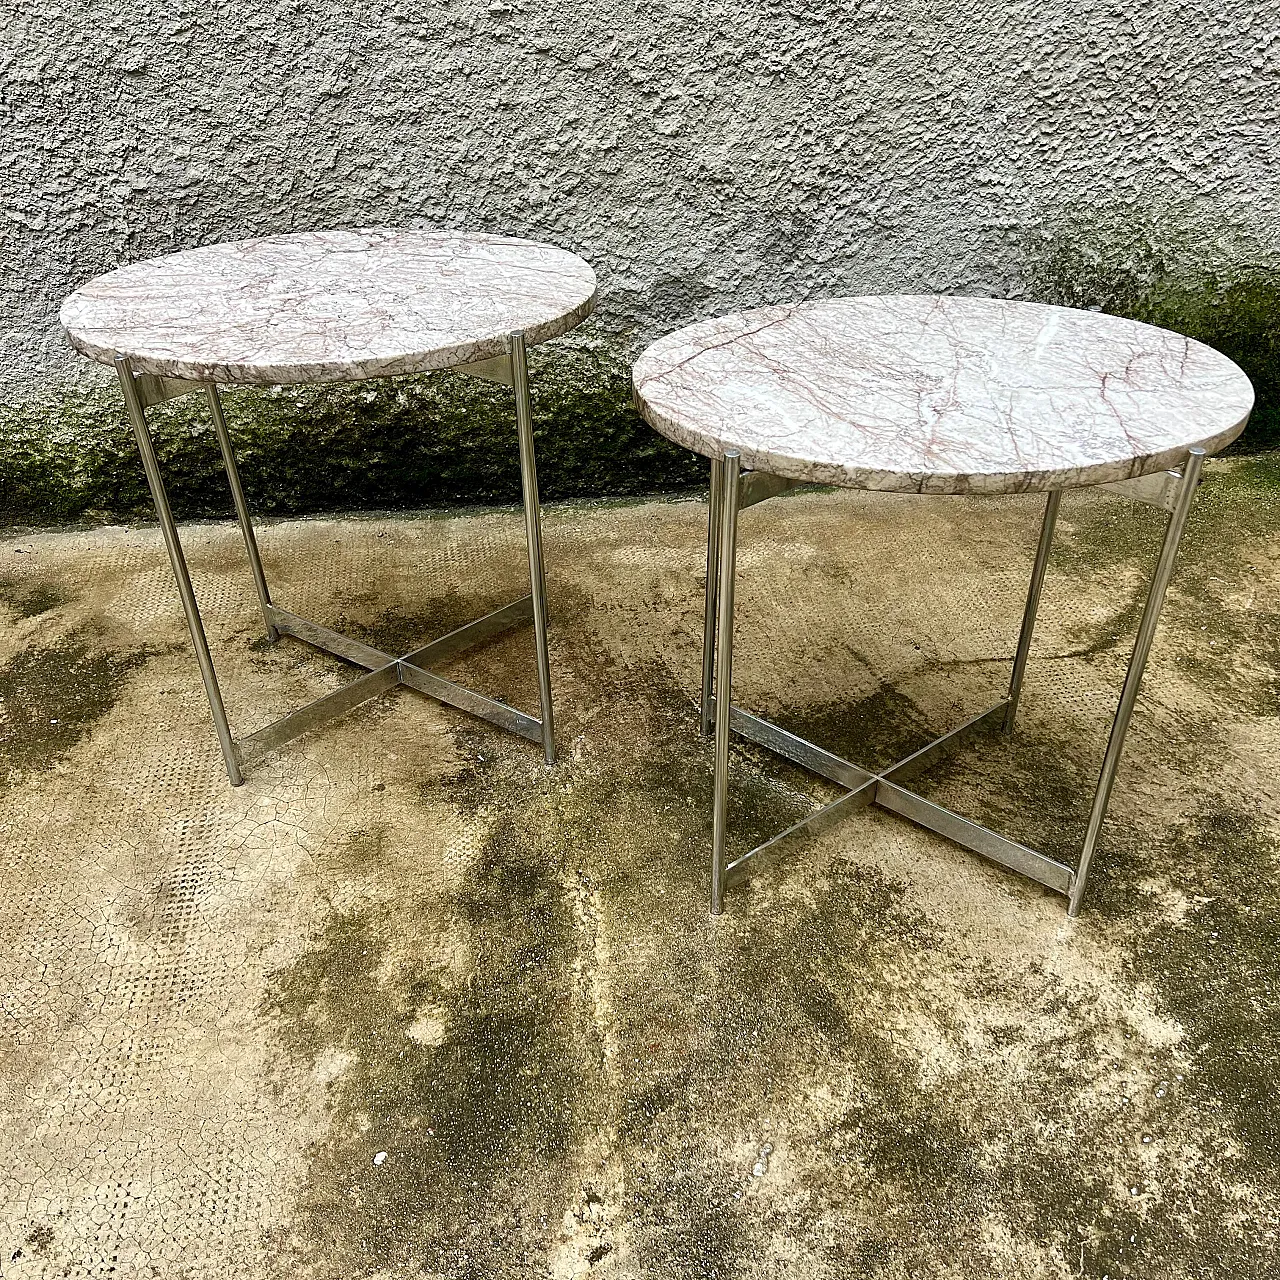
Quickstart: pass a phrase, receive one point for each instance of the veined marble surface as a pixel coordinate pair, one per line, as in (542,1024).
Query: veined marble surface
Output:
(922,394)
(329,306)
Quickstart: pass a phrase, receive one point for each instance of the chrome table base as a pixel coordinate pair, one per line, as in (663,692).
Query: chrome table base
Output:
(731,491)
(385,671)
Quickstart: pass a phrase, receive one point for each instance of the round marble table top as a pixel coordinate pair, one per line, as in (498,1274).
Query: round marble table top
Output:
(329,306)
(940,394)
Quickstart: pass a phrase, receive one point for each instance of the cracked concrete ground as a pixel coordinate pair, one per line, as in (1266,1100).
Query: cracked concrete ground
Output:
(410,1004)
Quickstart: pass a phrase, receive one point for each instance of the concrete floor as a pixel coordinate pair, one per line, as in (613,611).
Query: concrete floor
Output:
(410,1004)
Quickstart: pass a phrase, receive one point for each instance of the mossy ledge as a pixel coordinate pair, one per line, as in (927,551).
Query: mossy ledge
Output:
(443,439)
(438,439)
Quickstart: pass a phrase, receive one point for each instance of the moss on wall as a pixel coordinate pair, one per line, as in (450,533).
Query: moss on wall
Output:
(1241,318)
(443,439)
(435,439)
(1133,270)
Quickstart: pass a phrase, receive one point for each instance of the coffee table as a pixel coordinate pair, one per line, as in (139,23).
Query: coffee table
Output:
(932,395)
(337,306)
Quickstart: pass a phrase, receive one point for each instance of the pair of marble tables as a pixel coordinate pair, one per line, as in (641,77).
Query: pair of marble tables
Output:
(927,395)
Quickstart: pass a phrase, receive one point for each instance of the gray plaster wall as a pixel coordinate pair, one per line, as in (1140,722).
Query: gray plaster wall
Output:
(703,156)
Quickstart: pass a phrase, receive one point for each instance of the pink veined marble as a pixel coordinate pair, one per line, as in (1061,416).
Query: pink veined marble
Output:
(329,306)
(924,394)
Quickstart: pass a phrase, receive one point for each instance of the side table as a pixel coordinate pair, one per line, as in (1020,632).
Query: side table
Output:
(932,395)
(337,306)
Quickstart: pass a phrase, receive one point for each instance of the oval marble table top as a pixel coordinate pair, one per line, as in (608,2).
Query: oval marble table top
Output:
(940,394)
(329,306)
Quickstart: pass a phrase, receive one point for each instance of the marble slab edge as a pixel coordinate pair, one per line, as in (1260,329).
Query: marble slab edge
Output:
(939,484)
(243,374)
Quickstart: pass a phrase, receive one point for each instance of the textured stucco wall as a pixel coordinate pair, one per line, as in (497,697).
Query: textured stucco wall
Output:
(701,156)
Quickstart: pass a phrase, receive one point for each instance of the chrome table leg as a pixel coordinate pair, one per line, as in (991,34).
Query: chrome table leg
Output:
(715,511)
(138,420)
(724,673)
(1133,677)
(385,671)
(242,509)
(533,536)
(884,788)
(1033,603)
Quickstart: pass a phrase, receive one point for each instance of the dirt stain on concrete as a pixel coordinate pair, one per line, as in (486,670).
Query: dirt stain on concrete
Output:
(463,1092)
(26,599)
(512,1041)
(1214,969)
(51,697)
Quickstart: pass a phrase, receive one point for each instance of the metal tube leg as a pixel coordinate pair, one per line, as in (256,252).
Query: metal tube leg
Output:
(715,511)
(138,420)
(533,535)
(1033,603)
(1133,678)
(242,509)
(724,673)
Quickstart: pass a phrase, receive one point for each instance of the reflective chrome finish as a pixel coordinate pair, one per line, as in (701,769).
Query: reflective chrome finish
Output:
(1159,490)
(169,530)
(492,624)
(385,671)
(154,390)
(798,750)
(242,508)
(495,369)
(822,820)
(312,633)
(1137,664)
(1043,548)
(724,675)
(760,486)
(715,512)
(990,844)
(753,487)
(474,704)
(322,711)
(940,748)
(533,536)
(884,788)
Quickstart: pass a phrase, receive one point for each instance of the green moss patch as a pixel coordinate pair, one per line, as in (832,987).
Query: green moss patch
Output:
(51,697)
(1235,309)
(445,1146)
(28,599)
(431,440)
(1215,971)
